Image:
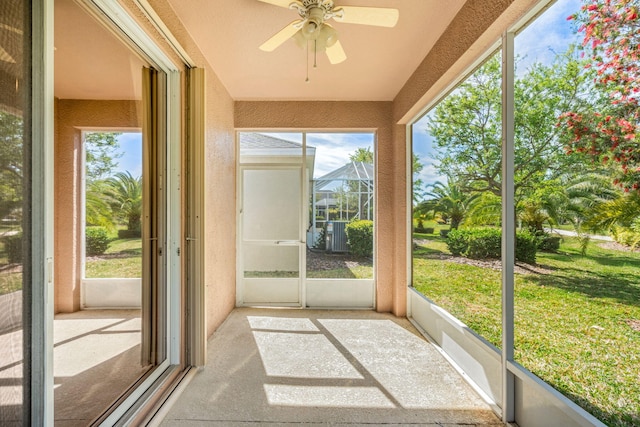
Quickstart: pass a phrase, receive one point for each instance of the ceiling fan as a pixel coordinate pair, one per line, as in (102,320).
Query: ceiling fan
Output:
(312,26)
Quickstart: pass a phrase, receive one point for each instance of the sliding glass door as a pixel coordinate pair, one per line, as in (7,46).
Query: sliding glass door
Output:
(15,213)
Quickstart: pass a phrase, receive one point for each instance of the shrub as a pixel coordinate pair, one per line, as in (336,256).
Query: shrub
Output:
(13,248)
(458,241)
(626,236)
(321,241)
(424,230)
(527,246)
(548,243)
(97,240)
(360,237)
(483,243)
(129,234)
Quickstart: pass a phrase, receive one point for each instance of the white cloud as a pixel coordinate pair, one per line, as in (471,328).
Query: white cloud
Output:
(550,34)
(332,149)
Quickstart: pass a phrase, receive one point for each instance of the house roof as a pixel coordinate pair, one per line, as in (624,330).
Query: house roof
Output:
(256,145)
(354,171)
(253,140)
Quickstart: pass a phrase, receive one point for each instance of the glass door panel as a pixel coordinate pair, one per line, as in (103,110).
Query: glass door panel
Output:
(15,209)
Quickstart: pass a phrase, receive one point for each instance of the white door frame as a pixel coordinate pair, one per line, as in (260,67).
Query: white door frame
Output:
(242,289)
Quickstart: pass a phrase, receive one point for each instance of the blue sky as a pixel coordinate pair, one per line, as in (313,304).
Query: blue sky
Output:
(131,145)
(332,149)
(550,34)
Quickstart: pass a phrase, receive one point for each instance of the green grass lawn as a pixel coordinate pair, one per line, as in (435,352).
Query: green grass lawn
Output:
(577,326)
(10,282)
(358,272)
(123,259)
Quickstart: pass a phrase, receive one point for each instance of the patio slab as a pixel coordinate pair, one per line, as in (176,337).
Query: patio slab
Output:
(289,367)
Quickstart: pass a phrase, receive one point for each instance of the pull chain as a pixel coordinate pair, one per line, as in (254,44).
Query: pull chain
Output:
(306,60)
(315,53)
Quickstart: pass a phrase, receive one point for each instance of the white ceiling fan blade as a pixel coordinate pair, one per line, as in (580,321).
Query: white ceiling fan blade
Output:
(281,36)
(378,16)
(336,53)
(281,3)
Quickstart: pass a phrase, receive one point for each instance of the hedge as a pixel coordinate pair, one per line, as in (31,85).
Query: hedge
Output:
(129,234)
(548,243)
(13,248)
(97,240)
(360,237)
(484,243)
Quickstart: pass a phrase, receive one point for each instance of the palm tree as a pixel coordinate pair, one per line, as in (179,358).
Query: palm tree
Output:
(449,200)
(97,205)
(624,211)
(125,192)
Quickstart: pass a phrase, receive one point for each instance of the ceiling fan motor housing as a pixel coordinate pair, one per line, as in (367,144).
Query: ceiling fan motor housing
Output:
(318,10)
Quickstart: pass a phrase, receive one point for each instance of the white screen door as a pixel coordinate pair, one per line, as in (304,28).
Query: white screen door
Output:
(271,235)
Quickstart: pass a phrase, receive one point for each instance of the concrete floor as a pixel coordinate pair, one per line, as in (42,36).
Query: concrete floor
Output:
(294,367)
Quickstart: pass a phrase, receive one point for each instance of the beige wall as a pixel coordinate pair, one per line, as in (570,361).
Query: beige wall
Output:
(71,117)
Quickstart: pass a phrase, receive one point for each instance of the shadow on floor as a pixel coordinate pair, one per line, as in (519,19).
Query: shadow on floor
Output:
(277,367)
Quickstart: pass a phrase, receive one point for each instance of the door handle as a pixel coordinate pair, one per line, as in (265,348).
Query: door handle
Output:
(288,242)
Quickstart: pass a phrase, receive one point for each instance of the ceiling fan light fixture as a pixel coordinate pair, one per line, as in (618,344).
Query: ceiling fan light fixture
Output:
(310,30)
(328,35)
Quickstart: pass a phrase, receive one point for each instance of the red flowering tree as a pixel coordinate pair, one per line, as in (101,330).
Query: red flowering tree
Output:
(610,133)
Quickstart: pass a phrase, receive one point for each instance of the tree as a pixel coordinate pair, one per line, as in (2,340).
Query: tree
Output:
(449,200)
(611,133)
(98,210)
(466,126)
(417,167)
(364,155)
(11,164)
(102,149)
(125,193)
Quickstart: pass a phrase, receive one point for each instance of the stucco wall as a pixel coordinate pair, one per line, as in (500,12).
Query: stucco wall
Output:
(345,116)
(71,117)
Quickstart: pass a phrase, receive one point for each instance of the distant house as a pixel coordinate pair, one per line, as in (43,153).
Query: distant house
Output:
(341,195)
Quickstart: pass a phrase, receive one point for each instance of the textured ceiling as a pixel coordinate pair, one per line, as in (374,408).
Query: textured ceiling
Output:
(379,60)
(91,63)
